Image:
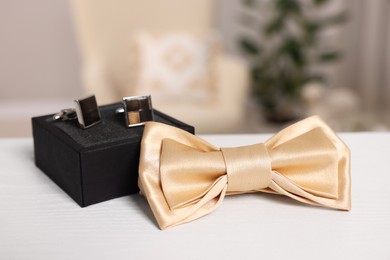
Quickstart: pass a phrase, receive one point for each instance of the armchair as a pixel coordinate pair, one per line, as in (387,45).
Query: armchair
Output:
(104,29)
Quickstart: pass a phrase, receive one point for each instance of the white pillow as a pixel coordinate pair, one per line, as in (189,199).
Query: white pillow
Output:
(173,67)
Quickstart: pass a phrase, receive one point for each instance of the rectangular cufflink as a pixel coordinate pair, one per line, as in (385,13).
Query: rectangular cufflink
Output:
(87,111)
(138,110)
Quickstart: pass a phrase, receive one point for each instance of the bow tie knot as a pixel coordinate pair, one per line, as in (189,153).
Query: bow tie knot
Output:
(248,168)
(242,169)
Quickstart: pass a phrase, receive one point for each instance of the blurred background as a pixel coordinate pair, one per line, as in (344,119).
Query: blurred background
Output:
(224,66)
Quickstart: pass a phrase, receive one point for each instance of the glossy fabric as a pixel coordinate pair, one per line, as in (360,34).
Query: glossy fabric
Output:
(183,177)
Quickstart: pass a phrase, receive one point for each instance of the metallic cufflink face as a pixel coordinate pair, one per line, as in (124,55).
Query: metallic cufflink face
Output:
(86,111)
(137,110)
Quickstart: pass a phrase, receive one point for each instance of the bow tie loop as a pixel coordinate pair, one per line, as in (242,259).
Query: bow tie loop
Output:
(248,168)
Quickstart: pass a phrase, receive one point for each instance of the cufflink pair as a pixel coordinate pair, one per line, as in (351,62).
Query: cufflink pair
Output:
(137,110)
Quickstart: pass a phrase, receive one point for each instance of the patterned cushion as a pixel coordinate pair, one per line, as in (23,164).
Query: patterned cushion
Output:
(173,66)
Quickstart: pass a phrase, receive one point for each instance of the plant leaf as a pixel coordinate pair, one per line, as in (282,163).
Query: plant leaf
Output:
(293,49)
(249,3)
(288,6)
(274,26)
(329,56)
(335,19)
(249,46)
(319,2)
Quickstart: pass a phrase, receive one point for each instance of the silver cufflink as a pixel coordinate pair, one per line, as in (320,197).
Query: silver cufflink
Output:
(86,112)
(137,110)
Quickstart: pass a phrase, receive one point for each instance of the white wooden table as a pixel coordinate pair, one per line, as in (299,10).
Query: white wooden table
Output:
(39,221)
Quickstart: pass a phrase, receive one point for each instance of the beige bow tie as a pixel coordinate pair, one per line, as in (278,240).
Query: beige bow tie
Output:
(184,177)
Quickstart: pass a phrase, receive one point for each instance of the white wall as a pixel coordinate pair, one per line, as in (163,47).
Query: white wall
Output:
(368,59)
(38,52)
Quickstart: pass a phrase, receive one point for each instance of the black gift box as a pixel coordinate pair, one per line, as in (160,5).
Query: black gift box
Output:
(96,164)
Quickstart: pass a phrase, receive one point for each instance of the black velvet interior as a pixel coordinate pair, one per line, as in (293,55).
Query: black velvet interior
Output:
(111,129)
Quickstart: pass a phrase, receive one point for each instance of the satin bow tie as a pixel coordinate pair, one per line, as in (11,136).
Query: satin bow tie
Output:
(184,177)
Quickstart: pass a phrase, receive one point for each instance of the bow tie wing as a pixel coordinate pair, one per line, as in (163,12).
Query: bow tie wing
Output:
(179,188)
(188,174)
(311,164)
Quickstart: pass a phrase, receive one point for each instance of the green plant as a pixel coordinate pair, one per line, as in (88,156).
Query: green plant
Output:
(289,45)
